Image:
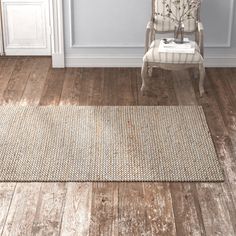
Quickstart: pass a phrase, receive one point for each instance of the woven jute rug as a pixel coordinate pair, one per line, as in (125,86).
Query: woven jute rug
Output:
(124,143)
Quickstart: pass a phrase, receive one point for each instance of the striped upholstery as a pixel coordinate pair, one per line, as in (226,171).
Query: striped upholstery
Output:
(165,24)
(153,55)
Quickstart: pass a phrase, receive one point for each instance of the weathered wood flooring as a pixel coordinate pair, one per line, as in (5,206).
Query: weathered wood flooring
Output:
(121,208)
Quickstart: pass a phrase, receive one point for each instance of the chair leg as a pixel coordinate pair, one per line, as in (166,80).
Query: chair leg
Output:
(202,78)
(144,74)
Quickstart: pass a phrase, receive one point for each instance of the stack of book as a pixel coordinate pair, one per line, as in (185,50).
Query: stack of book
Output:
(168,45)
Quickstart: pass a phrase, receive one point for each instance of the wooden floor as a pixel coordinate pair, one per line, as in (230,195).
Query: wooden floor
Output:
(121,208)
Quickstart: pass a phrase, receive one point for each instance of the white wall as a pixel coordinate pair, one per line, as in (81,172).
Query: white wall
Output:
(112,32)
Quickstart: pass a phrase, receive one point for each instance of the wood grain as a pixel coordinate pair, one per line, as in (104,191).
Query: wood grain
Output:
(132,213)
(22,210)
(72,87)
(110,87)
(34,87)
(53,87)
(6,194)
(231,79)
(220,208)
(6,68)
(124,88)
(18,79)
(104,209)
(184,195)
(159,209)
(77,211)
(49,209)
(121,208)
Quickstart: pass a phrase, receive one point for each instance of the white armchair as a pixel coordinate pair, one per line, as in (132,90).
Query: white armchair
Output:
(171,61)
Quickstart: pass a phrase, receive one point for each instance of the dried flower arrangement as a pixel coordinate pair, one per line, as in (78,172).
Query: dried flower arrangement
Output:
(178,11)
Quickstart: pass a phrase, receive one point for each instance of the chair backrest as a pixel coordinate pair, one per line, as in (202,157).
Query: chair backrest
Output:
(164,24)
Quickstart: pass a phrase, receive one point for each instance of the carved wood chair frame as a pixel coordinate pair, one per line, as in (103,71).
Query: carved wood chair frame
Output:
(150,37)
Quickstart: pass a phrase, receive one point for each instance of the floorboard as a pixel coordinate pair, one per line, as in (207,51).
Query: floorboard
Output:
(122,208)
(77,210)
(186,204)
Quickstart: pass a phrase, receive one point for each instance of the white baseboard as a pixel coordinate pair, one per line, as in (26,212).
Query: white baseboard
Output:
(58,60)
(220,61)
(134,61)
(103,61)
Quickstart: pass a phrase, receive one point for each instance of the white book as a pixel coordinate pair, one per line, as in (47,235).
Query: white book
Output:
(172,47)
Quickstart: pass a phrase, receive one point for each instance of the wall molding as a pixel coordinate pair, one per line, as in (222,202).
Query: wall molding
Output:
(229,36)
(75,59)
(57,36)
(103,61)
(135,61)
(219,61)
(73,45)
(211,45)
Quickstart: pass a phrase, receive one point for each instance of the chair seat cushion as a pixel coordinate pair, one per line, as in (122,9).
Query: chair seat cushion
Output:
(154,56)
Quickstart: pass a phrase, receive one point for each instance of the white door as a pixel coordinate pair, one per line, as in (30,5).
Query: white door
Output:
(26,27)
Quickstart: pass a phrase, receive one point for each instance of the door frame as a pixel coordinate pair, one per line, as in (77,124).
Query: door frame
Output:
(1,33)
(57,33)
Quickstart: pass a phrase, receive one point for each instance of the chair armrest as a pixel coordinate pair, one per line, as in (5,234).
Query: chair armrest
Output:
(200,37)
(150,35)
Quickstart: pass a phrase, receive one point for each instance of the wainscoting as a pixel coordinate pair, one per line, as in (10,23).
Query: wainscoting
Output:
(111,33)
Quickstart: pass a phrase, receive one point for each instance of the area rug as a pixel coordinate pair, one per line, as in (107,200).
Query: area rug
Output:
(111,143)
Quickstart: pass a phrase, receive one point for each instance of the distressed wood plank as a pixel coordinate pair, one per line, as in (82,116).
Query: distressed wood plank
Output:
(220,82)
(53,87)
(86,85)
(132,215)
(159,210)
(183,88)
(219,217)
(231,79)
(157,197)
(185,205)
(95,78)
(7,67)
(49,210)
(186,209)
(71,87)
(226,99)
(22,210)
(215,202)
(18,80)
(135,90)
(220,202)
(184,195)
(215,212)
(6,195)
(123,91)
(160,89)
(110,87)
(104,209)
(79,87)
(36,81)
(77,211)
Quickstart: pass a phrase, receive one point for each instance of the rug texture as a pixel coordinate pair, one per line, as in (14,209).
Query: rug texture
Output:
(124,143)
